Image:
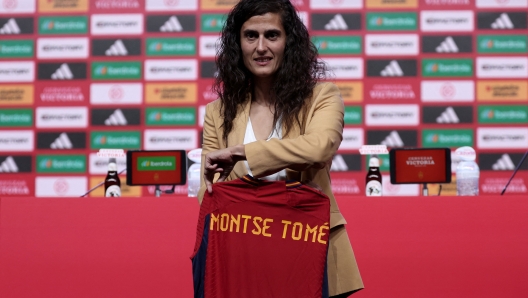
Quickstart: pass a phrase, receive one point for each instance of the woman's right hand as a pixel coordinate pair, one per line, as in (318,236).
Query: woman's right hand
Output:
(221,161)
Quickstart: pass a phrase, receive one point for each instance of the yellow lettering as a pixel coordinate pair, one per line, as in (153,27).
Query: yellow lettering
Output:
(245,217)
(224,222)
(259,230)
(312,231)
(213,219)
(235,220)
(265,227)
(285,223)
(297,226)
(321,233)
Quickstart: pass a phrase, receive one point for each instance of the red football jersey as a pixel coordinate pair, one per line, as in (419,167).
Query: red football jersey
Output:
(258,238)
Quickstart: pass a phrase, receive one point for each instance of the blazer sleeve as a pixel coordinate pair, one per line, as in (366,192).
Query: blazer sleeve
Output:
(321,139)
(210,143)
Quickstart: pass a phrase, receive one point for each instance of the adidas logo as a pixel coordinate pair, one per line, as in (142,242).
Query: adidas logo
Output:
(117,49)
(62,73)
(447,46)
(502,22)
(172,25)
(11,27)
(393,140)
(503,163)
(336,23)
(392,70)
(8,165)
(62,142)
(117,118)
(448,116)
(338,164)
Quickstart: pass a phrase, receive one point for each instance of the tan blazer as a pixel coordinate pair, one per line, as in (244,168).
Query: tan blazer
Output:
(306,153)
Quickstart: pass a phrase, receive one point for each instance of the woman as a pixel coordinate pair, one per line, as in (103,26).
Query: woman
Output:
(275,118)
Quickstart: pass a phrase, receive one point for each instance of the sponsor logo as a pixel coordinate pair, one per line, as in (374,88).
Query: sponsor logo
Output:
(353,115)
(350,91)
(16,117)
(167,5)
(447,44)
(392,3)
(208,69)
(12,26)
(447,67)
(344,184)
(15,164)
(344,68)
(113,117)
(63,25)
(171,23)
(61,163)
(391,21)
(501,20)
(502,138)
(446,2)
(99,165)
(503,114)
(170,70)
(390,189)
(129,70)
(17,71)
(16,187)
(105,24)
(206,92)
(501,161)
(183,139)
(60,186)
(116,47)
(17,6)
(16,95)
(16,49)
(324,4)
(163,163)
(101,5)
(114,139)
(393,44)
(51,48)
(57,93)
(62,71)
(391,115)
(171,93)
(446,20)
(183,46)
(494,184)
(502,3)
(209,46)
(16,140)
(170,116)
(447,91)
(327,45)
(346,163)
(63,5)
(447,114)
(61,140)
(218,4)
(447,138)
(352,139)
(502,67)
(392,138)
(391,68)
(392,91)
(501,43)
(212,22)
(112,93)
(502,90)
(332,22)
(59,117)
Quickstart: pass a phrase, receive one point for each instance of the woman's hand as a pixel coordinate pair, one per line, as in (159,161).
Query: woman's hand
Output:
(221,161)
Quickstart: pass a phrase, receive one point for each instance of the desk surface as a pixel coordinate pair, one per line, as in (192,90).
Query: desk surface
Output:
(140,247)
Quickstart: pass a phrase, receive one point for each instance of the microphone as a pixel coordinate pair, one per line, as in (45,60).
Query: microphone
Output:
(97,186)
(515,172)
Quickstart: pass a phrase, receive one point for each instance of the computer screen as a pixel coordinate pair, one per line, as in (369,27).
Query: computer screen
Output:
(163,167)
(420,165)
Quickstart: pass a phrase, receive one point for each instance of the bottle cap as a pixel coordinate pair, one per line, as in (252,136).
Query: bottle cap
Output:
(374,162)
(112,160)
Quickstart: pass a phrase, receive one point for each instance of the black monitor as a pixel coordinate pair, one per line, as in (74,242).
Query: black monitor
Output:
(420,165)
(163,167)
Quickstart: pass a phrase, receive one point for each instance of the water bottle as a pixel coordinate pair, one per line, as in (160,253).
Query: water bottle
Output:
(193,174)
(373,181)
(467,172)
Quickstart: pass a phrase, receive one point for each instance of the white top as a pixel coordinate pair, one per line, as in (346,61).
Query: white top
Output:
(250,137)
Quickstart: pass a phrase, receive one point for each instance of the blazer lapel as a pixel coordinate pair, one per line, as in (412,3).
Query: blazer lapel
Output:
(237,136)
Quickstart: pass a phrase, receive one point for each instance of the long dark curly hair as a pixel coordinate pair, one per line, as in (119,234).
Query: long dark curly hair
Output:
(295,79)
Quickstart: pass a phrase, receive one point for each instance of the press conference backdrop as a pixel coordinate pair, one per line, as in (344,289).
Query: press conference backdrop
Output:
(77,76)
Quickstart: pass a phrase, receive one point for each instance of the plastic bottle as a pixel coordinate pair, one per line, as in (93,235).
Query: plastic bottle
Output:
(467,172)
(373,186)
(112,182)
(193,173)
